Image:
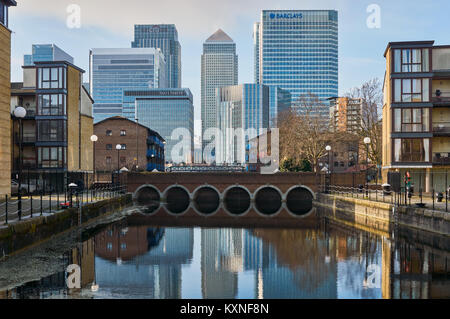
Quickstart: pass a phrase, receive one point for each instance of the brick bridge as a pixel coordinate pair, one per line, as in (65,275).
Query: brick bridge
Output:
(226,196)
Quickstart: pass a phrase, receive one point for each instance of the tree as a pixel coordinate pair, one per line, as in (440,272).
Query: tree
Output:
(304,134)
(370,125)
(291,165)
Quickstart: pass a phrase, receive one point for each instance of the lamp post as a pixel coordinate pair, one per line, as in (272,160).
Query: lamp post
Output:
(118,148)
(137,144)
(367,142)
(20,113)
(94,138)
(328,149)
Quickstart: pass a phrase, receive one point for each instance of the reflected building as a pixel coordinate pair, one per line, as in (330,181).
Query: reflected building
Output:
(221,261)
(142,261)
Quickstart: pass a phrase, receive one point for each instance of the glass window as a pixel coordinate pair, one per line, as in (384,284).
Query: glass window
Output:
(411,150)
(51,78)
(108,133)
(51,157)
(411,60)
(398,120)
(108,147)
(397,60)
(51,130)
(52,104)
(123,133)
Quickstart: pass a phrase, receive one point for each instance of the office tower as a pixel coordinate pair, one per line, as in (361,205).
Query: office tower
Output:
(246,107)
(416,113)
(297,50)
(165,110)
(279,102)
(56,131)
(46,53)
(112,71)
(164,37)
(5,91)
(219,68)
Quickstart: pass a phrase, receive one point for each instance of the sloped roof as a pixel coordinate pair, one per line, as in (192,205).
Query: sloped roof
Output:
(219,36)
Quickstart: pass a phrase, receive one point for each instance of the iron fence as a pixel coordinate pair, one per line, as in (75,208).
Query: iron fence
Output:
(12,209)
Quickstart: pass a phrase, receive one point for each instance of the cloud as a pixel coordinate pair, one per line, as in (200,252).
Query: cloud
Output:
(193,17)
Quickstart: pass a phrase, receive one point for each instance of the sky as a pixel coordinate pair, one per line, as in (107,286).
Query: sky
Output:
(110,24)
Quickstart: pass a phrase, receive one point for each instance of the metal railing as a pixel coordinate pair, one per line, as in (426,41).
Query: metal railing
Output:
(436,200)
(39,205)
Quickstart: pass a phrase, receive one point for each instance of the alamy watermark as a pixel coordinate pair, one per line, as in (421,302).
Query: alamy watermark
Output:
(73,20)
(374,19)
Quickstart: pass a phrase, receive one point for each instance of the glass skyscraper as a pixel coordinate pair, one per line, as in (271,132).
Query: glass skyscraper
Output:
(279,101)
(164,37)
(112,71)
(165,110)
(297,50)
(219,68)
(246,107)
(46,53)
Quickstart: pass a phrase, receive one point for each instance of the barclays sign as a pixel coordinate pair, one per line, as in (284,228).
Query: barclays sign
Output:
(285,15)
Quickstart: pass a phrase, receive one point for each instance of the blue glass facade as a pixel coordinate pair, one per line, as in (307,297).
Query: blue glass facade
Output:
(164,37)
(246,107)
(46,53)
(279,101)
(298,51)
(112,71)
(165,110)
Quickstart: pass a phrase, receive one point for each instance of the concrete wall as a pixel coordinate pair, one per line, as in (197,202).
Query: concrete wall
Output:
(29,77)
(441,58)
(5,117)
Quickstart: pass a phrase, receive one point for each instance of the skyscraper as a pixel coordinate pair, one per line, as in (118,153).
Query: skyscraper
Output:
(246,107)
(112,71)
(164,37)
(219,68)
(46,53)
(297,50)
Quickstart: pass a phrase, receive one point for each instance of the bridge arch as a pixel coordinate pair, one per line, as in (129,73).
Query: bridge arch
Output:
(299,200)
(149,196)
(238,207)
(177,200)
(206,200)
(268,200)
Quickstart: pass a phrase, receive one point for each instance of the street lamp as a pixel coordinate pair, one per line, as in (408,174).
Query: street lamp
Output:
(118,148)
(20,113)
(367,142)
(94,138)
(328,149)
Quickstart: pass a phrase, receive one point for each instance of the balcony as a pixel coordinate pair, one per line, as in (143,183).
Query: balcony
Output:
(27,138)
(441,129)
(441,98)
(441,158)
(27,163)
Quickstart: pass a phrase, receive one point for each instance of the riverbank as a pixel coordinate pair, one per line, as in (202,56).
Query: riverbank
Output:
(383,217)
(18,236)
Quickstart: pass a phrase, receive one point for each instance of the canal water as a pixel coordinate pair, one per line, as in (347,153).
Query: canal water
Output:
(125,260)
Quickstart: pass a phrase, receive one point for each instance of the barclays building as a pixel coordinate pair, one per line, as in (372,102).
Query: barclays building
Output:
(297,50)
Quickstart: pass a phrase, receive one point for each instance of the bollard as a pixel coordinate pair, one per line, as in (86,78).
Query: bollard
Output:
(6,209)
(31,206)
(41,203)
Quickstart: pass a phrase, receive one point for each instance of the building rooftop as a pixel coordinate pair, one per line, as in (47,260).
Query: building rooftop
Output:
(121,118)
(219,36)
(10,2)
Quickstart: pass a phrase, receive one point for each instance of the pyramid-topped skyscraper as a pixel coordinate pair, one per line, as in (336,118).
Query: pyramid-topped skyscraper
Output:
(219,69)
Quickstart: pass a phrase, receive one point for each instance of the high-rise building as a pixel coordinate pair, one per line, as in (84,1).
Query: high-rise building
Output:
(164,37)
(165,110)
(279,102)
(55,133)
(416,113)
(46,53)
(245,107)
(112,71)
(297,50)
(345,114)
(219,68)
(5,92)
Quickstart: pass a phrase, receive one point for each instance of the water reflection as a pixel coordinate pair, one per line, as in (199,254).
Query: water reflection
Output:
(168,262)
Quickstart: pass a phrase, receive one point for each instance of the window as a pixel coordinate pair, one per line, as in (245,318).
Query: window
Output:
(411,150)
(51,157)
(124,146)
(123,133)
(51,130)
(3,14)
(411,120)
(108,133)
(108,160)
(123,160)
(411,90)
(411,60)
(109,246)
(52,104)
(108,147)
(51,78)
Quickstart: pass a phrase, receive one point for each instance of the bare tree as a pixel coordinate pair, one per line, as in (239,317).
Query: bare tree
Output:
(304,134)
(370,125)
